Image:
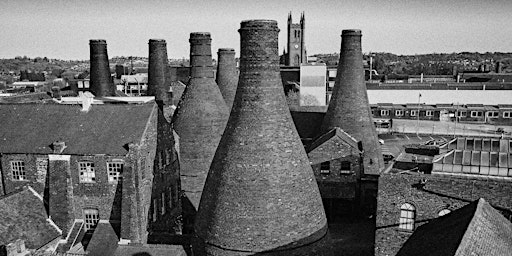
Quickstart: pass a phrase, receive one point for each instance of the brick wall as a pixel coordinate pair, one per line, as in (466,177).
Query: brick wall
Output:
(138,183)
(439,192)
(166,184)
(101,194)
(33,178)
(337,184)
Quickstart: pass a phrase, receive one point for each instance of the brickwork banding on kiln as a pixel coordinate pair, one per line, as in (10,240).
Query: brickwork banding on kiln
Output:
(260,194)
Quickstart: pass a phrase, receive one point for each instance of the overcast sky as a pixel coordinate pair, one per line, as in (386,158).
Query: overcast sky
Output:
(62,28)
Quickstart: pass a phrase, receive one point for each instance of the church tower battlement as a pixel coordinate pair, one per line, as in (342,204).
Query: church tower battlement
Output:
(296,46)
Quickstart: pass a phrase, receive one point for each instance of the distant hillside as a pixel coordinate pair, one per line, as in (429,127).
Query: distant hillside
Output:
(430,64)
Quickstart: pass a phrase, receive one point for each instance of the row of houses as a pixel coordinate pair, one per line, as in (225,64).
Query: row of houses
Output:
(500,114)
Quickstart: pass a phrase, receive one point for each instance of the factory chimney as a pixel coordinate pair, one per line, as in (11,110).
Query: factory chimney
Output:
(101,82)
(199,119)
(261,194)
(227,77)
(349,108)
(157,85)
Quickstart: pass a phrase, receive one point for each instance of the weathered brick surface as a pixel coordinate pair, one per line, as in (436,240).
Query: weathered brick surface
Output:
(61,194)
(227,75)
(440,192)
(166,183)
(200,119)
(152,155)
(101,83)
(338,184)
(157,70)
(33,178)
(349,108)
(260,193)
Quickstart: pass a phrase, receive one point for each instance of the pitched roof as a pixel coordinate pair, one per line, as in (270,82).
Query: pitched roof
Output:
(103,241)
(104,129)
(23,216)
(335,133)
(334,144)
(475,229)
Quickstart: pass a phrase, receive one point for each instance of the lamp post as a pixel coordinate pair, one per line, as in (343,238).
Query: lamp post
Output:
(418,116)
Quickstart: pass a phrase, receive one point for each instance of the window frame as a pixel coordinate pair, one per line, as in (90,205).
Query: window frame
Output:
(476,113)
(384,112)
(461,113)
(325,167)
(155,210)
(114,176)
(429,112)
(344,170)
(163,204)
(399,112)
(407,217)
(90,222)
(495,114)
(170,198)
(18,170)
(84,174)
(414,112)
(507,114)
(41,168)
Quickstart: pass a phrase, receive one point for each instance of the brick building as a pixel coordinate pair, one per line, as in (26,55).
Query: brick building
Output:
(91,165)
(409,200)
(475,229)
(336,161)
(500,114)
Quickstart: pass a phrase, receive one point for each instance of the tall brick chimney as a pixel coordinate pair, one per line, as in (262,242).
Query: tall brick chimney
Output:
(261,194)
(157,85)
(199,119)
(101,82)
(227,77)
(349,108)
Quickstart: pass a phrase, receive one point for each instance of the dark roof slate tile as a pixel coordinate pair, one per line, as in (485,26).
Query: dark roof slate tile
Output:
(104,129)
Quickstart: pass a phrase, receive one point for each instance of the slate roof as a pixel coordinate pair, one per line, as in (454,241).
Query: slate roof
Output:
(475,229)
(335,132)
(23,216)
(103,241)
(104,129)
(334,144)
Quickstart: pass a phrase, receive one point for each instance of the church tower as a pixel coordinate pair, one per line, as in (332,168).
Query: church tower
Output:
(296,45)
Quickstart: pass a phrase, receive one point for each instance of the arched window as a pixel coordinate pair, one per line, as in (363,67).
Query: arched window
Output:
(443,212)
(407,216)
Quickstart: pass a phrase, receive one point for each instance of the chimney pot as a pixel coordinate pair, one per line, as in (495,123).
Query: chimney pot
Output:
(58,147)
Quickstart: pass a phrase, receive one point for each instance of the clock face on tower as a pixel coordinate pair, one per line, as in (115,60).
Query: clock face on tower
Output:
(296,46)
